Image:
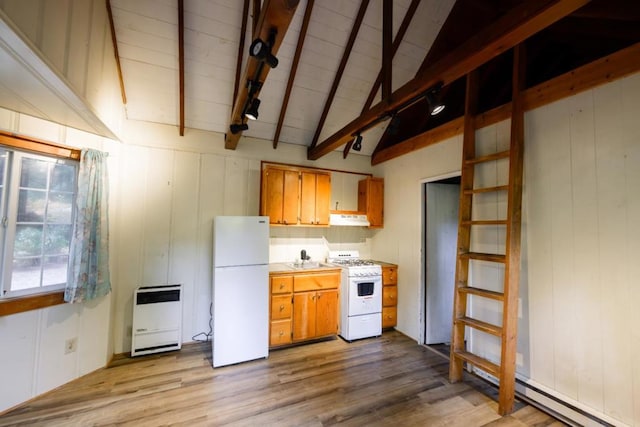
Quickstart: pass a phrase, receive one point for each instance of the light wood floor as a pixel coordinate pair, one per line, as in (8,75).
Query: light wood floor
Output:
(378,381)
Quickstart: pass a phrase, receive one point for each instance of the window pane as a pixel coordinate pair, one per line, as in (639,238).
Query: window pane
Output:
(28,241)
(60,208)
(55,270)
(63,177)
(25,273)
(57,239)
(31,205)
(34,173)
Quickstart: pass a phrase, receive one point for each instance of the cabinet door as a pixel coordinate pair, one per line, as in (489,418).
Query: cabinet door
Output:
(326,312)
(304,315)
(273,194)
(290,199)
(323,198)
(308,198)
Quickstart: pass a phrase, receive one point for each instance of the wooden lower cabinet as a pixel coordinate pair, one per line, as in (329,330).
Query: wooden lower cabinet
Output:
(304,306)
(315,314)
(389,295)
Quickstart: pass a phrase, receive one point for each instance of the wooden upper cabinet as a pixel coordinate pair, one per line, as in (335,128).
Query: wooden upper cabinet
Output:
(280,193)
(315,198)
(295,196)
(371,200)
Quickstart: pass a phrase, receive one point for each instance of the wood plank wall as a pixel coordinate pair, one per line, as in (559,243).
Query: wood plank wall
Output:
(578,334)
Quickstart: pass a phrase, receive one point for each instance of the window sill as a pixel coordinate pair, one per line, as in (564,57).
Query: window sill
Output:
(32,302)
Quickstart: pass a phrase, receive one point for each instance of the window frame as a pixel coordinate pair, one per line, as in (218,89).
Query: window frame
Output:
(42,299)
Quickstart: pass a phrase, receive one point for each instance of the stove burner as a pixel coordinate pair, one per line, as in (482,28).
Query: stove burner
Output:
(352,262)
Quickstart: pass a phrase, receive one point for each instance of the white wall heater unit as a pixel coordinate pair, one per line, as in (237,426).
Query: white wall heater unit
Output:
(157,319)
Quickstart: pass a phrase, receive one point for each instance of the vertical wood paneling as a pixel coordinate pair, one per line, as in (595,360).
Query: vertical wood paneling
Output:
(612,236)
(97,36)
(235,186)
(630,111)
(157,205)
(211,199)
(80,28)
(18,357)
(560,234)
(54,40)
(586,286)
(25,18)
(184,232)
(539,153)
(128,251)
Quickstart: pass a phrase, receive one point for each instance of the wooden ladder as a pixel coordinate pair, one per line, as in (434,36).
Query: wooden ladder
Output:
(504,371)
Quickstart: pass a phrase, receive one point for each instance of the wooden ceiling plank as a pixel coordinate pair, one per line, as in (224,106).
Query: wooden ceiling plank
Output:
(293,71)
(181,61)
(514,27)
(115,51)
(396,44)
(604,70)
(275,15)
(387,55)
(343,63)
(243,32)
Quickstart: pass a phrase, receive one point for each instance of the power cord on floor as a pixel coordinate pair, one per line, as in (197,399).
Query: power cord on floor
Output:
(207,335)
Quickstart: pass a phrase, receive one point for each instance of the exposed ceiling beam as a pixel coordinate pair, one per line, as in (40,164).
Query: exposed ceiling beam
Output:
(275,16)
(343,63)
(396,44)
(601,71)
(181,61)
(294,68)
(115,51)
(243,32)
(514,27)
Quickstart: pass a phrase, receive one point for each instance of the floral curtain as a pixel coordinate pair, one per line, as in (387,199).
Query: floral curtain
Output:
(88,271)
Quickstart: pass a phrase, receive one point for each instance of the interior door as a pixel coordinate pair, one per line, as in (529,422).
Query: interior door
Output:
(442,202)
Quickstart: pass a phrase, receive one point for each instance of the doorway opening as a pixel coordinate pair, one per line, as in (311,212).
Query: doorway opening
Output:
(441,199)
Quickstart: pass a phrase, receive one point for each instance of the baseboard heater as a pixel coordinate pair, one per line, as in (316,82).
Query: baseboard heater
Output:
(157,319)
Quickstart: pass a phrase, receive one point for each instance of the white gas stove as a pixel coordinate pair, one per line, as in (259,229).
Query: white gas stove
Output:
(360,295)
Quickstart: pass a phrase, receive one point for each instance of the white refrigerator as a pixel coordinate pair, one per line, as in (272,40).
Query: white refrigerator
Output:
(240,289)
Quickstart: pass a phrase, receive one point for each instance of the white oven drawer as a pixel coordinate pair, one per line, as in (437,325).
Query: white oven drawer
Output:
(367,325)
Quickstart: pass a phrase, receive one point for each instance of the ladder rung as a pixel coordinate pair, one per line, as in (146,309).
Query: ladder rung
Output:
(483,257)
(499,296)
(488,157)
(481,326)
(486,222)
(487,189)
(478,361)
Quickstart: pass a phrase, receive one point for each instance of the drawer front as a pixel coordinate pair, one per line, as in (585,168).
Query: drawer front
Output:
(280,333)
(389,317)
(281,284)
(314,282)
(390,275)
(281,307)
(389,296)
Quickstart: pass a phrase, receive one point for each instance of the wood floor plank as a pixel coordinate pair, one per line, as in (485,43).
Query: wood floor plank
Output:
(383,381)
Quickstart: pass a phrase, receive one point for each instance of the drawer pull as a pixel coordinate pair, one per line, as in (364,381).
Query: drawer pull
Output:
(281,333)
(281,307)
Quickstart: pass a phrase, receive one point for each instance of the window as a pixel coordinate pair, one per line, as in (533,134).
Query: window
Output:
(37,196)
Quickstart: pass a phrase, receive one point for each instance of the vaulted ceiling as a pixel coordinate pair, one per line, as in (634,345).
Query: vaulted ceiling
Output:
(351,67)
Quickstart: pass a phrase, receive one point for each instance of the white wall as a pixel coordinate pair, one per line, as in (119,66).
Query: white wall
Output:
(578,336)
(33,359)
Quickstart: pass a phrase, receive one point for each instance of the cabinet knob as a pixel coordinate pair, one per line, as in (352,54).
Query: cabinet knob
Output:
(281,307)
(281,285)
(281,333)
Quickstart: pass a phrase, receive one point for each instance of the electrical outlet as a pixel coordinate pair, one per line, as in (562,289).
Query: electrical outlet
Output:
(70,345)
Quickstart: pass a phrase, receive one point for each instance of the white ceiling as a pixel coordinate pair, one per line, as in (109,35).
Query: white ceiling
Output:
(147,34)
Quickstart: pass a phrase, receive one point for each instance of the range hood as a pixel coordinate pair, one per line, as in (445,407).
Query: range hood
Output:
(358,220)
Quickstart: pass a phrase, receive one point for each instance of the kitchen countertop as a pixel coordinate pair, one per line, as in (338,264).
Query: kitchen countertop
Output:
(285,267)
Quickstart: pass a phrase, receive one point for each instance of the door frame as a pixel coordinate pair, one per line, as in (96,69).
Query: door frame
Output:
(422,316)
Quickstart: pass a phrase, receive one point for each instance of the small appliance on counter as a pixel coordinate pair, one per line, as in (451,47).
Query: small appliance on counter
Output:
(360,295)
(240,289)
